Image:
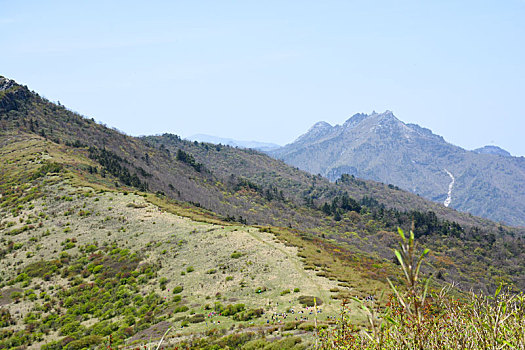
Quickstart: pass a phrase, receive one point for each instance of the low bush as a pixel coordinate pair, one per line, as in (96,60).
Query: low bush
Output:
(231,310)
(248,315)
(181,308)
(197,318)
(236,255)
(308,300)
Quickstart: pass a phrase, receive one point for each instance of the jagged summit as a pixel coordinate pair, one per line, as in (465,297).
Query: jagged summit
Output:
(360,117)
(324,129)
(386,119)
(385,123)
(354,120)
(385,115)
(374,117)
(388,116)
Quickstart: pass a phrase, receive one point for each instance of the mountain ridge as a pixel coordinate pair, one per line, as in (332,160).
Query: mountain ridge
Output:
(382,148)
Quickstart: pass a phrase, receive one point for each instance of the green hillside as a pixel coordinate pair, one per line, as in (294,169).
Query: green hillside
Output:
(97,226)
(81,261)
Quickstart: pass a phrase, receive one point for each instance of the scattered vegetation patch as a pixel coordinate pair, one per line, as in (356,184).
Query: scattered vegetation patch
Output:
(47,168)
(236,255)
(308,300)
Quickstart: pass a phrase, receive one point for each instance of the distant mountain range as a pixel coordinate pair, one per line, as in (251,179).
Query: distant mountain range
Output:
(260,146)
(488,182)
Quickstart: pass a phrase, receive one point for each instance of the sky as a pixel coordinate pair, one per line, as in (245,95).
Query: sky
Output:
(268,70)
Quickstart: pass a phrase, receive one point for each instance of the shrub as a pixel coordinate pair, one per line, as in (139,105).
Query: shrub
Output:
(248,315)
(308,300)
(68,245)
(163,282)
(71,328)
(231,310)
(236,255)
(218,307)
(54,345)
(48,167)
(98,268)
(22,277)
(84,343)
(309,327)
(181,308)
(197,318)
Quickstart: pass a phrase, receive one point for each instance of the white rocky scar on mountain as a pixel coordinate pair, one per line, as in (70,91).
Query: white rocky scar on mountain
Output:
(450,186)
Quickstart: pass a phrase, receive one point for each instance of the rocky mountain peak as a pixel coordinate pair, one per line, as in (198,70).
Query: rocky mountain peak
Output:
(320,126)
(316,131)
(355,120)
(374,117)
(389,115)
(385,117)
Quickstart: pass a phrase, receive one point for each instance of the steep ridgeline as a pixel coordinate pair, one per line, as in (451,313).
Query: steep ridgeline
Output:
(351,222)
(488,182)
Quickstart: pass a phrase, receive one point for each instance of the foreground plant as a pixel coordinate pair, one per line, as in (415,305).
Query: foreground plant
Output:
(416,319)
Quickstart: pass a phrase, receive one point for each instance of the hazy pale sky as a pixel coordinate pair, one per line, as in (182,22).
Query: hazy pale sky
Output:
(268,70)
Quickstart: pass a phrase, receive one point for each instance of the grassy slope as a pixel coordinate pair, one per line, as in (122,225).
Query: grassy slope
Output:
(365,237)
(353,251)
(64,208)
